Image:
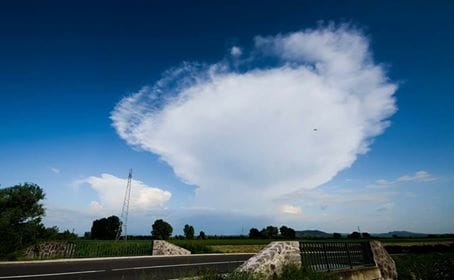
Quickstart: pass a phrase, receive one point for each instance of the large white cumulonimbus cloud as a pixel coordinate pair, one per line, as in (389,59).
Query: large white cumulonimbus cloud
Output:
(291,115)
(111,191)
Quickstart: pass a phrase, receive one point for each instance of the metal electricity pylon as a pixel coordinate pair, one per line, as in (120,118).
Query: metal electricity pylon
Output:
(123,228)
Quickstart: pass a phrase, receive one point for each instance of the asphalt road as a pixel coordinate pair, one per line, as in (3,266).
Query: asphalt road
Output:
(143,268)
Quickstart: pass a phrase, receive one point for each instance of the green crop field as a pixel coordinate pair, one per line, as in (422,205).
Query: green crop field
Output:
(255,245)
(416,241)
(211,242)
(110,248)
(222,245)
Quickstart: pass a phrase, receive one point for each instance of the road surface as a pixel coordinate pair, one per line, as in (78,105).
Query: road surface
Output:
(143,268)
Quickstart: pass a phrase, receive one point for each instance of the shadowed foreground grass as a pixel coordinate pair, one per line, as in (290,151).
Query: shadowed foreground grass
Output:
(425,266)
(289,273)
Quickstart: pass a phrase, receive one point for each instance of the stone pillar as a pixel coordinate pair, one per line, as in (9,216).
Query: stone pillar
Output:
(383,261)
(50,249)
(272,258)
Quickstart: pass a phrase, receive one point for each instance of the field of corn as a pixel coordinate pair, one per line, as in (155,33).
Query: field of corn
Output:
(109,248)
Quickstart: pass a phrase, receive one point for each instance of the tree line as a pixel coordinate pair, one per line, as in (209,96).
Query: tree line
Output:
(272,232)
(108,228)
(163,230)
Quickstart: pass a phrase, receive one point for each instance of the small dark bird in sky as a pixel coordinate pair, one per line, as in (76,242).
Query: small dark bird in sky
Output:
(315,129)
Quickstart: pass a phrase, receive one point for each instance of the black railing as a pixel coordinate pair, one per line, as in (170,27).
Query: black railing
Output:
(335,255)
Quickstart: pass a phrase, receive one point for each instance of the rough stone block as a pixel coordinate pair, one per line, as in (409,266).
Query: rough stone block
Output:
(272,259)
(164,248)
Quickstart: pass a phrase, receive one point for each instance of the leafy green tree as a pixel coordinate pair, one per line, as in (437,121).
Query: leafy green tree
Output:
(270,232)
(354,235)
(50,233)
(67,235)
(20,220)
(254,233)
(366,235)
(161,230)
(202,235)
(87,235)
(283,230)
(53,233)
(291,233)
(287,233)
(188,232)
(337,235)
(105,228)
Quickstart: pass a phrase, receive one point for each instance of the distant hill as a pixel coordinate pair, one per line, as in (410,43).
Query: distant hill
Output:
(312,233)
(401,233)
(321,234)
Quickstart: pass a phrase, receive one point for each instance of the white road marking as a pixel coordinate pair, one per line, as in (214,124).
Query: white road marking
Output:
(174,265)
(51,274)
(116,269)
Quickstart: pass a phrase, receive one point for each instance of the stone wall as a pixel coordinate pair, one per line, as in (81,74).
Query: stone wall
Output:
(272,258)
(383,261)
(164,248)
(50,250)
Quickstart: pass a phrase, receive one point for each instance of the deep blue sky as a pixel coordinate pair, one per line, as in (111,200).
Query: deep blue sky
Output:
(64,65)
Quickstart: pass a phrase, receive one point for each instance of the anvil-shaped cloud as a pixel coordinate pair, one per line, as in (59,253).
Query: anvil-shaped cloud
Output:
(295,112)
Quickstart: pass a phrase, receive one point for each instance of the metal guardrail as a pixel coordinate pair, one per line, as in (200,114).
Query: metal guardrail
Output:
(336,255)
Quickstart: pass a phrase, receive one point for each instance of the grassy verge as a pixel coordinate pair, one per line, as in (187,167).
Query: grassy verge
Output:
(425,266)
